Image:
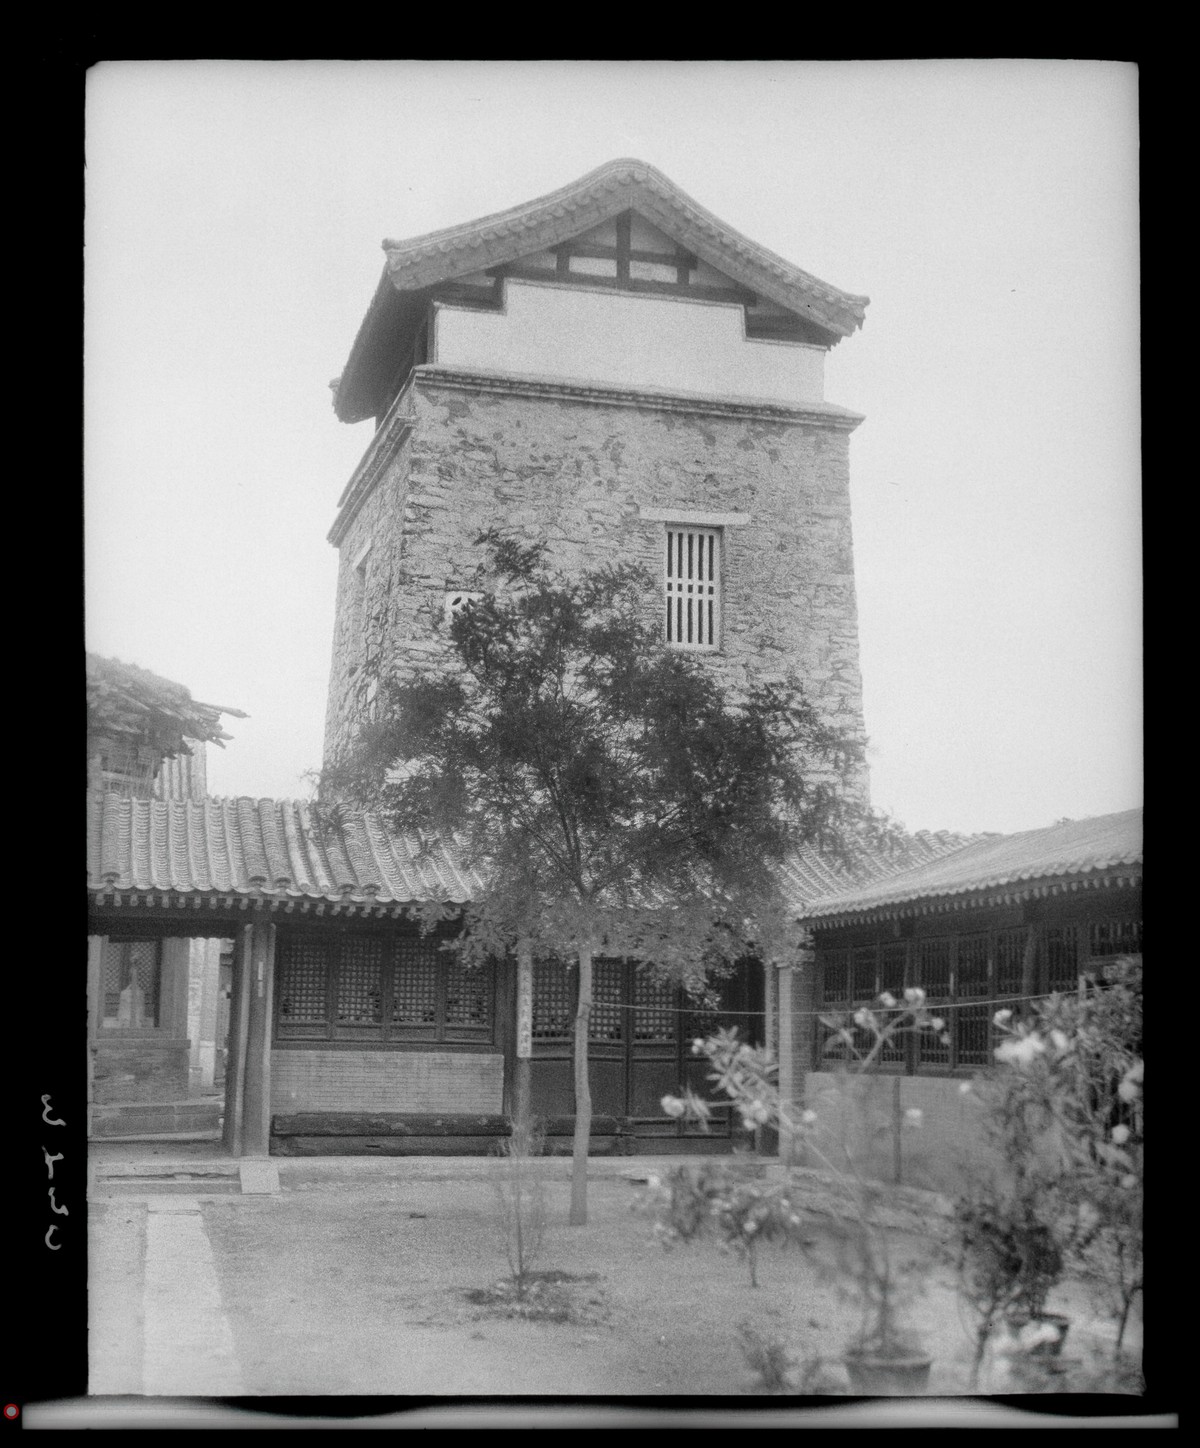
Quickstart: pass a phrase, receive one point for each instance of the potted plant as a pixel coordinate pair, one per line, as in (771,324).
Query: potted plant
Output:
(882,1357)
(1008,1258)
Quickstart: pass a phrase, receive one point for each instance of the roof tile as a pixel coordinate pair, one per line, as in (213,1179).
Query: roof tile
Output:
(262,847)
(1071,849)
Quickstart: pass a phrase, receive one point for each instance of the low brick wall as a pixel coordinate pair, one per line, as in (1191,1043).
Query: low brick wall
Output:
(140,1069)
(465,1082)
(859,1114)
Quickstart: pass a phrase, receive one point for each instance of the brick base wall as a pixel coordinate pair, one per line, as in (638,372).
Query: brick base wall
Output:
(409,1081)
(140,1070)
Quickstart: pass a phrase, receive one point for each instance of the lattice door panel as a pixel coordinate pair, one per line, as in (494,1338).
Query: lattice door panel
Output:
(1107,938)
(1062,957)
(468,998)
(606,1022)
(301,989)
(655,1017)
(971,1026)
(1010,959)
(935,957)
(414,985)
(863,972)
(553,1000)
(360,984)
(893,967)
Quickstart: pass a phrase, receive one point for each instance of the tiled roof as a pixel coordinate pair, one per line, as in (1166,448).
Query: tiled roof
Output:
(265,848)
(810,876)
(506,236)
(1075,853)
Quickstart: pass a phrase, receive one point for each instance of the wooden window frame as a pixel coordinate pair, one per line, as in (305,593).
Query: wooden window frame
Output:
(386,1034)
(1064,951)
(109,1027)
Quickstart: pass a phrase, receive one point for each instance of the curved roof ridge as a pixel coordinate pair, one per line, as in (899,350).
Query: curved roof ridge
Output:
(624,171)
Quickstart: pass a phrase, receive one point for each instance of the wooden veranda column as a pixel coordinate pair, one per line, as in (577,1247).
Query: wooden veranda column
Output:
(524,1012)
(256,1106)
(235,1060)
(787,1054)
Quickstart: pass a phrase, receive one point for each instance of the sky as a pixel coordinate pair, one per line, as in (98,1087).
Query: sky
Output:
(988,208)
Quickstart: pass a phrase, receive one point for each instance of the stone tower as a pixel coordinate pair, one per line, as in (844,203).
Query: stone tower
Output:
(614,371)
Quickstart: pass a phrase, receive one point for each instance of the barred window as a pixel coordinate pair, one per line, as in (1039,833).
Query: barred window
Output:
(692,588)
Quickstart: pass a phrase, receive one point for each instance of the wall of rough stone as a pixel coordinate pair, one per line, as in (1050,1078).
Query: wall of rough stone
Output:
(574,471)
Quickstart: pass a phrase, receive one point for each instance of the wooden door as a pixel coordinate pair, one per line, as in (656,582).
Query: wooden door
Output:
(641,1033)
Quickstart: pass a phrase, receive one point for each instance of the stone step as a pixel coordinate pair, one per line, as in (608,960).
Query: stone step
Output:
(156,1186)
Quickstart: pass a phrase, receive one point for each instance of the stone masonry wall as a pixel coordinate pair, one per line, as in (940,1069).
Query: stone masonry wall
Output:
(573,471)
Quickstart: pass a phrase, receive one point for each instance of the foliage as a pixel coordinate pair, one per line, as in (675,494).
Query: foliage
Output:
(857,1250)
(1075,1094)
(726,1199)
(1063,1112)
(1008,1256)
(612,794)
(520,1188)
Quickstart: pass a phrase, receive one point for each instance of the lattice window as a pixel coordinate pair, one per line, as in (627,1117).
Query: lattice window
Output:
(935,976)
(605,1021)
(359,983)
(1062,957)
(302,971)
(893,967)
(468,997)
(971,1026)
(692,586)
(414,988)
(1010,960)
(1107,938)
(132,982)
(864,969)
(835,977)
(553,1000)
(654,1018)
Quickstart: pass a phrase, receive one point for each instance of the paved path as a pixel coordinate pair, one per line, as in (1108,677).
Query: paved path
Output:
(188,1343)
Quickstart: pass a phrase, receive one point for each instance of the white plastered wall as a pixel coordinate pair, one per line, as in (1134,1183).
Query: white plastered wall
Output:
(599,335)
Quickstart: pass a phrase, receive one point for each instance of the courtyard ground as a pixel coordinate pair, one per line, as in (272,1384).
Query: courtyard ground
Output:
(354,1280)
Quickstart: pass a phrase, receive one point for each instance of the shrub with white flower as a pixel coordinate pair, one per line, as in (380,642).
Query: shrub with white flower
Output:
(730,1201)
(1071,1083)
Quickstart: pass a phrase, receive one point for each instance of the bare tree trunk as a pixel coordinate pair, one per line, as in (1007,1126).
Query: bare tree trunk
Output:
(583,1092)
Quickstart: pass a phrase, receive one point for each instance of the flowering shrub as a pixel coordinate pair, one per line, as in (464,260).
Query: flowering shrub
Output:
(722,1199)
(1064,1113)
(862,1252)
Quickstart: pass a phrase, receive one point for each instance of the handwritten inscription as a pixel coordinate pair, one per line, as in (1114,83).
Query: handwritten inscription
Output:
(50,1159)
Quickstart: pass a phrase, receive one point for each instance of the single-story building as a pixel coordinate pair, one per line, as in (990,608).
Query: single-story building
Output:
(988,926)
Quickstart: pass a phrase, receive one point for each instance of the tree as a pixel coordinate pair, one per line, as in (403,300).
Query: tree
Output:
(615,797)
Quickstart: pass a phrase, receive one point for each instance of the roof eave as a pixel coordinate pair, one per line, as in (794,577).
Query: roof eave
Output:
(835,914)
